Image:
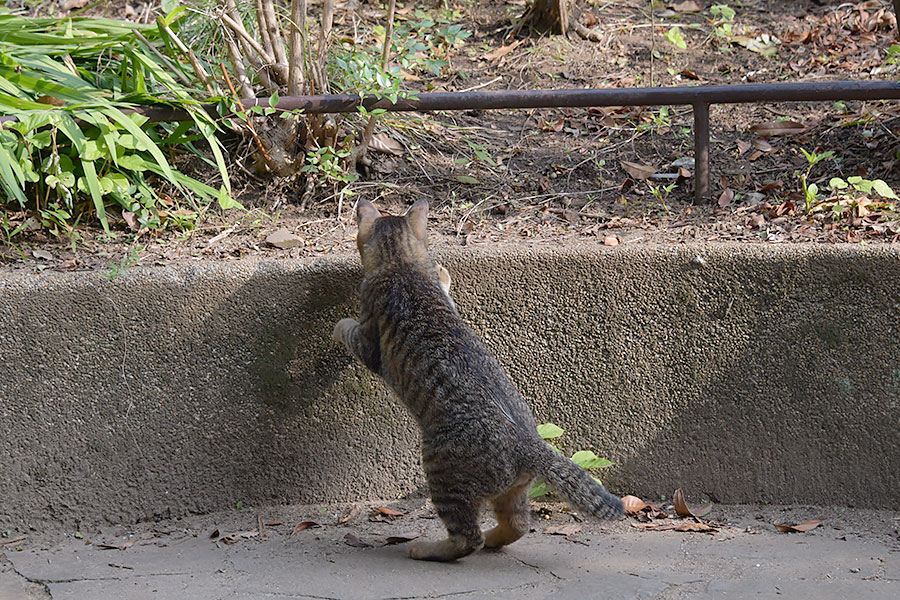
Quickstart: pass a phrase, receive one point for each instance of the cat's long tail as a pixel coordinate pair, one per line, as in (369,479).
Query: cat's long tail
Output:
(575,485)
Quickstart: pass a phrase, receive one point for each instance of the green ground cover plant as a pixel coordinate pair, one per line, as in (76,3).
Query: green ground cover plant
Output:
(71,144)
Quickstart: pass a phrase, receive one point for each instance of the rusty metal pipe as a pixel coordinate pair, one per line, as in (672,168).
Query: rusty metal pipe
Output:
(708,94)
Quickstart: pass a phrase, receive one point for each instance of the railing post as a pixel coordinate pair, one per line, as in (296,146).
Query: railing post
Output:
(701,152)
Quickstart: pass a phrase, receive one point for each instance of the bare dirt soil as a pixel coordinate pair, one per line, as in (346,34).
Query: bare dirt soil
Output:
(552,175)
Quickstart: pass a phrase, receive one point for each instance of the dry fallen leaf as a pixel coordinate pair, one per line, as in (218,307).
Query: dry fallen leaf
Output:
(757,221)
(233,538)
(682,509)
(401,538)
(726,197)
(498,53)
(743,146)
(637,170)
(773,128)
(354,510)
(129,219)
(11,541)
(115,546)
(633,505)
(303,525)
(567,529)
(801,528)
(381,513)
(352,540)
(682,527)
(389,512)
(382,142)
(696,527)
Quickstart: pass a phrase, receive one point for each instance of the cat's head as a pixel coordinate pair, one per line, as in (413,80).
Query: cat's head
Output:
(385,240)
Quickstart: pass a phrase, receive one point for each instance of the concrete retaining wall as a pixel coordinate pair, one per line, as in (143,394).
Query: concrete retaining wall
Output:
(770,374)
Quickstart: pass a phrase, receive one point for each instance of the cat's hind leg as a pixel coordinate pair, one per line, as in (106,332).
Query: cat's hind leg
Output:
(460,516)
(513,515)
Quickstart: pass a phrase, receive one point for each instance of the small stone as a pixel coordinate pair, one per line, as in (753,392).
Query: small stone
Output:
(610,240)
(854,570)
(283,239)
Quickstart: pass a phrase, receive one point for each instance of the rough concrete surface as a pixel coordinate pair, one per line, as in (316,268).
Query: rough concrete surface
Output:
(756,374)
(851,555)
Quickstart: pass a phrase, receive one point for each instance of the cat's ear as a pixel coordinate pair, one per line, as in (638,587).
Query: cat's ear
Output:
(417,218)
(366,215)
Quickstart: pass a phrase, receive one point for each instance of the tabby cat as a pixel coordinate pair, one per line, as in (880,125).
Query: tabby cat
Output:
(479,438)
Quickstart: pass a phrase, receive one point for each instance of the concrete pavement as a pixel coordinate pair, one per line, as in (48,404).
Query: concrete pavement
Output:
(853,554)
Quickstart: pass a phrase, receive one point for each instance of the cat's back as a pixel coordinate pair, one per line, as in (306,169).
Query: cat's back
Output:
(437,365)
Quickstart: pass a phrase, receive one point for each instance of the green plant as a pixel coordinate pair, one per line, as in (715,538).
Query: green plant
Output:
(860,203)
(659,120)
(328,162)
(811,190)
(675,37)
(583,458)
(661,193)
(722,18)
(130,257)
(70,86)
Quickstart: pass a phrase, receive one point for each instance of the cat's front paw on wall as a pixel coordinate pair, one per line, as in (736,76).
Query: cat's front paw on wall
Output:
(342,331)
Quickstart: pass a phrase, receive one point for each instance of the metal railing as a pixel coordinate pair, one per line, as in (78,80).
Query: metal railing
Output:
(699,97)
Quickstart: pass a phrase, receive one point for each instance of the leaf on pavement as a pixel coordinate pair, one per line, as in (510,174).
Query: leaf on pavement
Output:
(682,509)
(801,528)
(303,525)
(352,540)
(401,538)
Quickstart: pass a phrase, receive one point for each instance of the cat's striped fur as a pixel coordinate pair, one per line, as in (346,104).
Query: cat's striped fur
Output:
(479,438)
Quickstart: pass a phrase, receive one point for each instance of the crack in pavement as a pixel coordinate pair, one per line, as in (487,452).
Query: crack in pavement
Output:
(11,567)
(46,582)
(537,569)
(462,593)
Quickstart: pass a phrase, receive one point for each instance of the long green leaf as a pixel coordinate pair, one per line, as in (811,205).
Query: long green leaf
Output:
(11,184)
(147,144)
(90,176)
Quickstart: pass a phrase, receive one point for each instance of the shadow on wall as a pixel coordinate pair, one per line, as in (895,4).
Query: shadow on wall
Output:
(792,392)
(305,414)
